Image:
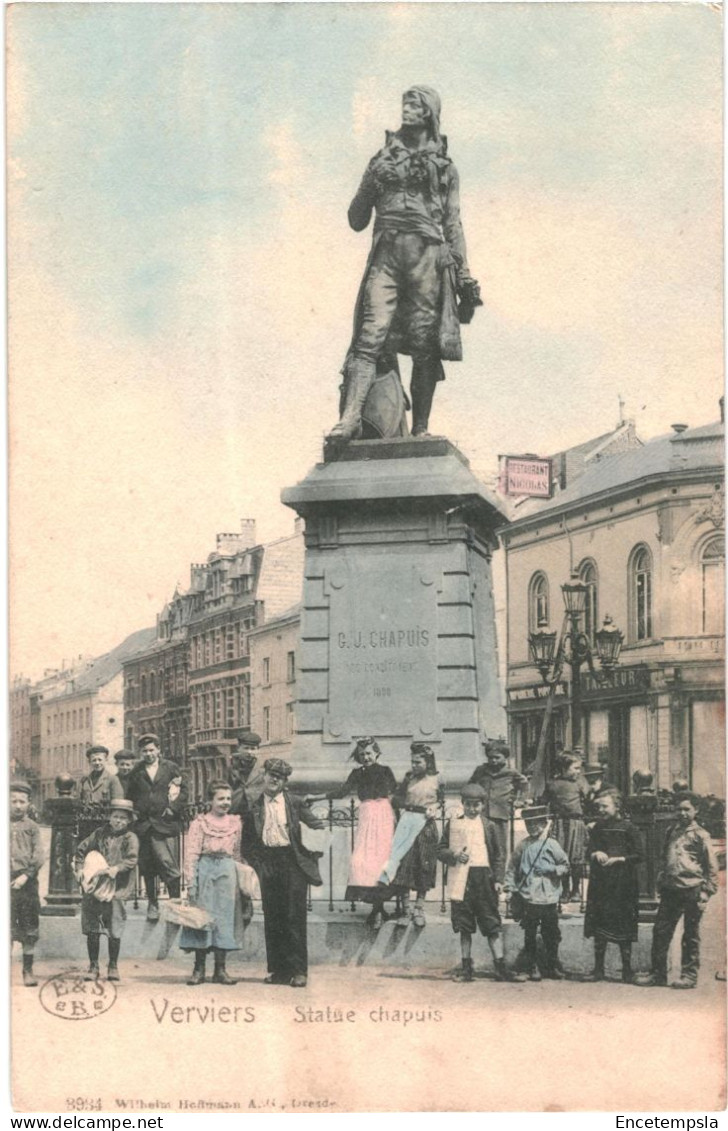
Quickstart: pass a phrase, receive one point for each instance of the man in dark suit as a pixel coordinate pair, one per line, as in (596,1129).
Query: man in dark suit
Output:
(272,844)
(158,791)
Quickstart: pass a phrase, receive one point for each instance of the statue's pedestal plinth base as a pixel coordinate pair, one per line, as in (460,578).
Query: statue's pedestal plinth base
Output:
(398,626)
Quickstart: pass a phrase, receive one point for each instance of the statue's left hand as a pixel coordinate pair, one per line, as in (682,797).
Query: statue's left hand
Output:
(469,299)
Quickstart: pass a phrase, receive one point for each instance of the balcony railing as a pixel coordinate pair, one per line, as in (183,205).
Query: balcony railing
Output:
(213,734)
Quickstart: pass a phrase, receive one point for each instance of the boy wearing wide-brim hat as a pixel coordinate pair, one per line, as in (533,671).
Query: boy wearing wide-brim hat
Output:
(470,847)
(534,877)
(103,910)
(26,858)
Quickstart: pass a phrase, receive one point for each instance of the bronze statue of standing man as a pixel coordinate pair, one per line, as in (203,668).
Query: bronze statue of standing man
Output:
(417,288)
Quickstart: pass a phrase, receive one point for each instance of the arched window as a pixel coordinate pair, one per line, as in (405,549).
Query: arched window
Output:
(640,584)
(588,574)
(538,602)
(712,569)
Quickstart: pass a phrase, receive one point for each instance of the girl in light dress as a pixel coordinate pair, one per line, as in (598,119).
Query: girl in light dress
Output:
(212,850)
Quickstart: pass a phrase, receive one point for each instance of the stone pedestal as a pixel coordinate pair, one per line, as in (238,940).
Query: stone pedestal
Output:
(398,626)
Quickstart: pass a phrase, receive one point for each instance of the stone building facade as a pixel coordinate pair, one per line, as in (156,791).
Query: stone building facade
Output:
(84,708)
(645,529)
(19,717)
(273,669)
(192,685)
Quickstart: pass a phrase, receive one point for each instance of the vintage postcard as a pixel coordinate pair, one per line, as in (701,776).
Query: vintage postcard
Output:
(367,559)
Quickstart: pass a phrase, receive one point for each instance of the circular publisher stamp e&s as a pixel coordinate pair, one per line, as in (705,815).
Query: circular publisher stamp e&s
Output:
(67,995)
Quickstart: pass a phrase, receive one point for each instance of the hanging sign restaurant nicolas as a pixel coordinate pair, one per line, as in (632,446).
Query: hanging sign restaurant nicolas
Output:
(526,475)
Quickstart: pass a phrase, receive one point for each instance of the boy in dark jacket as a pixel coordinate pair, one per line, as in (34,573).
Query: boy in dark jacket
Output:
(158,792)
(26,858)
(502,788)
(107,885)
(470,847)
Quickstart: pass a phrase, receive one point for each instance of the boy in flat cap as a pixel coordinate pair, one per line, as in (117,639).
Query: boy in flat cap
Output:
(470,848)
(272,844)
(99,786)
(26,858)
(246,776)
(104,864)
(158,791)
(534,877)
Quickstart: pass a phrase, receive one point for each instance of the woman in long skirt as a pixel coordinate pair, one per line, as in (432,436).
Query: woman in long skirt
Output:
(212,849)
(412,863)
(374,785)
(612,904)
(565,794)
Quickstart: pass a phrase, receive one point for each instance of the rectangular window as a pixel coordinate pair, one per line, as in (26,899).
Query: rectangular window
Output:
(230,707)
(266,724)
(290,719)
(230,642)
(266,671)
(291,667)
(88,716)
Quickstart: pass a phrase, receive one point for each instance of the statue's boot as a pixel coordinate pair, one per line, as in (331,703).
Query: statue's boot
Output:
(360,376)
(425,371)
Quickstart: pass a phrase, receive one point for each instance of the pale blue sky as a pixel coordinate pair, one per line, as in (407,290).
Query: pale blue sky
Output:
(183,277)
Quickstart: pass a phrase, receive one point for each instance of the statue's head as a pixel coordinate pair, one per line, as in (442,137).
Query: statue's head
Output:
(421,107)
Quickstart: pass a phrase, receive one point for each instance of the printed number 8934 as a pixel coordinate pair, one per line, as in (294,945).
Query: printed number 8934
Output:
(83,1103)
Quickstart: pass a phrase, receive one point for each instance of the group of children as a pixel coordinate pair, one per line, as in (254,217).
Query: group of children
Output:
(397,856)
(534,879)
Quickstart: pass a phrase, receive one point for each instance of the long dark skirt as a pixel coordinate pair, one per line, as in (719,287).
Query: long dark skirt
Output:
(418,869)
(612,904)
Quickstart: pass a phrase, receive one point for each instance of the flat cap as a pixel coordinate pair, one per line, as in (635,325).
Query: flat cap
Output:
(20,787)
(249,738)
(97,750)
(278,766)
(472,792)
(124,755)
(145,739)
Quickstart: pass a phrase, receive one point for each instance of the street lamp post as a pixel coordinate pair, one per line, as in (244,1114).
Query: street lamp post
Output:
(573,647)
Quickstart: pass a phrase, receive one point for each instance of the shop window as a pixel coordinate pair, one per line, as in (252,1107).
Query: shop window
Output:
(538,602)
(712,568)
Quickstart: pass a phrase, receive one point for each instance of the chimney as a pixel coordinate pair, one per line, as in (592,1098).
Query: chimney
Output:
(678,428)
(237,543)
(247,530)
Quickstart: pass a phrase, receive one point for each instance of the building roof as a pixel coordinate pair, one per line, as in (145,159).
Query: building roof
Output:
(105,668)
(281,618)
(694,449)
